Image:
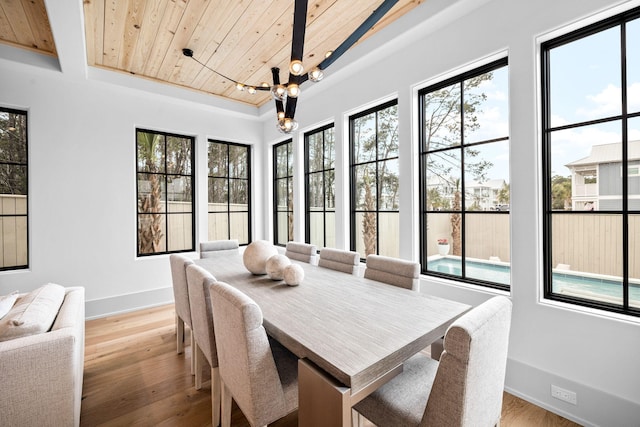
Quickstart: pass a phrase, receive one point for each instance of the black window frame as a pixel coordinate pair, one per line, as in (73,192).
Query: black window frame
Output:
(422,154)
(352,177)
(228,180)
(25,165)
(307,174)
(165,177)
(619,20)
(289,179)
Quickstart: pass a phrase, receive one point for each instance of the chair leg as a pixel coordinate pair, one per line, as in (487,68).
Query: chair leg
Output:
(225,405)
(179,334)
(215,396)
(199,362)
(193,354)
(355,418)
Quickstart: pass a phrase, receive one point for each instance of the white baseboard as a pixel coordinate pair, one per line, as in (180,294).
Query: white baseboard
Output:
(129,302)
(593,408)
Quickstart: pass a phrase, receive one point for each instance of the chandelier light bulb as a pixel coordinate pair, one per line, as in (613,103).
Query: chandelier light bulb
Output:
(316,74)
(251,90)
(287,125)
(293,90)
(278,92)
(296,68)
(240,86)
(328,54)
(280,115)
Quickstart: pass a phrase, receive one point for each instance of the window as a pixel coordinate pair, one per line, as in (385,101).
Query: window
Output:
(374,181)
(320,157)
(283,192)
(229,189)
(591,149)
(14,186)
(464,177)
(165,193)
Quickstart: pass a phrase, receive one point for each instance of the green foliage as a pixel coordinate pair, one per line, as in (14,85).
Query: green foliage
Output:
(560,192)
(13,153)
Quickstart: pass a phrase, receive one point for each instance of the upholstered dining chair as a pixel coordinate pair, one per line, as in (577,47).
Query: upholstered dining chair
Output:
(209,249)
(179,265)
(393,271)
(258,373)
(336,259)
(199,280)
(463,389)
(305,252)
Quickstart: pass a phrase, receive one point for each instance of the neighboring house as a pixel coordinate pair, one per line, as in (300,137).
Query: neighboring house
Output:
(596,182)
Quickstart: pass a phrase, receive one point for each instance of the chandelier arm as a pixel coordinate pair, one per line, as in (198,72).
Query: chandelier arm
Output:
(358,33)
(275,72)
(297,50)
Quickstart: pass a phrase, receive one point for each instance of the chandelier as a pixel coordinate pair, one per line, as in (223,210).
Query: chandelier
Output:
(286,94)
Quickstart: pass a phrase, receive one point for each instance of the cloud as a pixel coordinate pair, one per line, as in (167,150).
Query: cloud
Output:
(607,103)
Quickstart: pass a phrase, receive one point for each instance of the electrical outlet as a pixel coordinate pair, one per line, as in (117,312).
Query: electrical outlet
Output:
(562,394)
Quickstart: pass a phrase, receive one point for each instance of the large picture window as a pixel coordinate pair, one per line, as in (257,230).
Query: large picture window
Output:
(14,186)
(591,153)
(375,215)
(283,192)
(165,193)
(464,177)
(320,156)
(229,191)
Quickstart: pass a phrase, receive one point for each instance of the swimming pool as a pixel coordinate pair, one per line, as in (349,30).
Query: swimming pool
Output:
(587,286)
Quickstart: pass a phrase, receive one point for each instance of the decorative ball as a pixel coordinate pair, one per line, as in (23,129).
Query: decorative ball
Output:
(293,275)
(256,255)
(275,266)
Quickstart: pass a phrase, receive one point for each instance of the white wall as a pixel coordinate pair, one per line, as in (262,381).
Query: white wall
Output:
(82,177)
(592,353)
(82,181)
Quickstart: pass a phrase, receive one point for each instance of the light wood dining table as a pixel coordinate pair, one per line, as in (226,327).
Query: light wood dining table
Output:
(351,334)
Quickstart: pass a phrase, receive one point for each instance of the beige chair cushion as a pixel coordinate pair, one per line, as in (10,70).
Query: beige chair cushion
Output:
(34,313)
(301,251)
(336,259)
(394,271)
(209,249)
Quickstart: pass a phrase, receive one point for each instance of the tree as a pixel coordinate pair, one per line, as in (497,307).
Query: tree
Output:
(13,153)
(447,116)
(561,192)
(150,225)
(504,195)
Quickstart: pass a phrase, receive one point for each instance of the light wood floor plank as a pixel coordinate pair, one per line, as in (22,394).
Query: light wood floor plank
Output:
(134,377)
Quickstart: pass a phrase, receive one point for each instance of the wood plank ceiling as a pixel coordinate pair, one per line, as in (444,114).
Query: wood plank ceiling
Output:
(240,39)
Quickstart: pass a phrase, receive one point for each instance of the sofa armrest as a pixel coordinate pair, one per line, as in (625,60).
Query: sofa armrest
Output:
(42,374)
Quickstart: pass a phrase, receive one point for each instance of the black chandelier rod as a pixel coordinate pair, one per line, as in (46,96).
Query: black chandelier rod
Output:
(297,50)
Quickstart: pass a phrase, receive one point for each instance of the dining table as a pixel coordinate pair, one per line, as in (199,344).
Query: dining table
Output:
(351,334)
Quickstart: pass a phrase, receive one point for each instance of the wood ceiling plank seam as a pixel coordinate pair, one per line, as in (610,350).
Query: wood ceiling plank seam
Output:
(19,23)
(237,60)
(229,19)
(6,32)
(168,27)
(191,16)
(219,14)
(39,23)
(234,40)
(148,33)
(131,34)
(114,22)
(94,30)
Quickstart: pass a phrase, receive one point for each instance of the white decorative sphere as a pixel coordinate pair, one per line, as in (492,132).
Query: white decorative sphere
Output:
(256,255)
(275,266)
(293,275)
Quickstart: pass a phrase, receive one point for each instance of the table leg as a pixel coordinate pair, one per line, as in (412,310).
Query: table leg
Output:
(322,401)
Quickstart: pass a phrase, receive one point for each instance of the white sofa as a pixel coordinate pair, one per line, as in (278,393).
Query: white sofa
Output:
(41,375)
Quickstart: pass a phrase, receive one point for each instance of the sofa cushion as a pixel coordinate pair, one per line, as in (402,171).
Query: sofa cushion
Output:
(7,302)
(33,313)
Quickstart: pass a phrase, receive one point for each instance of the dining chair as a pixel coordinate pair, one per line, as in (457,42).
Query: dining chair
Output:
(199,280)
(178,265)
(258,373)
(463,389)
(336,259)
(210,248)
(393,271)
(305,252)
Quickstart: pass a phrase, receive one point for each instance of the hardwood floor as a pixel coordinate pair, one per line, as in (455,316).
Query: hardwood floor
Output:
(133,377)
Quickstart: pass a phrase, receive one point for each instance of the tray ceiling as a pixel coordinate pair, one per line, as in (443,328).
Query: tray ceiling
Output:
(241,39)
